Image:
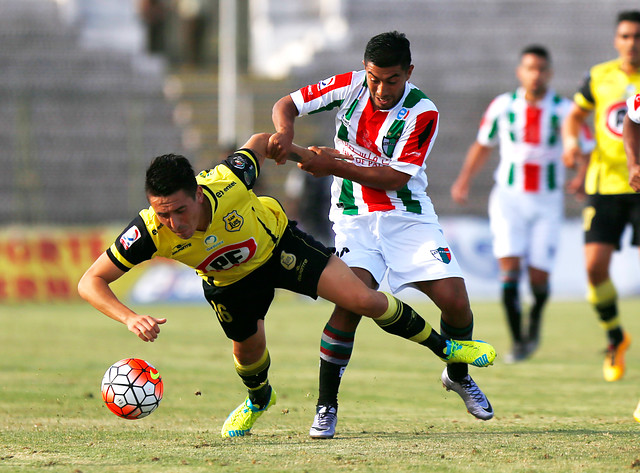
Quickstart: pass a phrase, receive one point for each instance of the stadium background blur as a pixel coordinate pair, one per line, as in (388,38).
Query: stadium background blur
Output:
(85,106)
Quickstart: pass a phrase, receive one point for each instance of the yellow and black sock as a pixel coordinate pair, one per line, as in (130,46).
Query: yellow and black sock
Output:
(400,319)
(255,378)
(604,299)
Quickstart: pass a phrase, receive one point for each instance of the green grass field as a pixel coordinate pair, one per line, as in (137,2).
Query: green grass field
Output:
(554,413)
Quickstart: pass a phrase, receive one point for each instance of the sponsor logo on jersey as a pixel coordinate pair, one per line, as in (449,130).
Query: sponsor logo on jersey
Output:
(129,237)
(211,241)
(442,254)
(229,256)
(239,162)
(403,113)
(221,193)
(233,221)
(179,247)
(326,83)
(287,260)
(614,117)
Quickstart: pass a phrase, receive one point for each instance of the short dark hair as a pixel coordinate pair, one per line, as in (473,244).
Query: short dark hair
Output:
(536,50)
(168,174)
(628,15)
(388,50)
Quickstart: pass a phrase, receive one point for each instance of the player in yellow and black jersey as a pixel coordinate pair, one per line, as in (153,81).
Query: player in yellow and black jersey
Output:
(244,247)
(611,202)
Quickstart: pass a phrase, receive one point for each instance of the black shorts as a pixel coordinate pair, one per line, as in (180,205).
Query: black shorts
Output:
(606,216)
(296,264)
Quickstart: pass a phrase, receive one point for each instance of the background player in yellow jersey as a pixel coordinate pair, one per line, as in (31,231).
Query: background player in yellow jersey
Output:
(611,202)
(243,245)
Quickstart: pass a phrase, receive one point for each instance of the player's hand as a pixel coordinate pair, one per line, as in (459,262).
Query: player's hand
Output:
(460,192)
(145,327)
(634,177)
(571,156)
(278,147)
(323,162)
(575,186)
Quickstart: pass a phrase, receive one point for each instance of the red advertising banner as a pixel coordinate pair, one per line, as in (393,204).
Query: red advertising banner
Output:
(42,264)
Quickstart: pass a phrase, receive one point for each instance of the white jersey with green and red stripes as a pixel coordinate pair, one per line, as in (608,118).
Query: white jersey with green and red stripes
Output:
(530,140)
(633,108)
(401,137)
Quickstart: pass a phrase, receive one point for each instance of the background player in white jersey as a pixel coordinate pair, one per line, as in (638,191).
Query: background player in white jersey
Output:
(382,217)
(631,140)
(526,205)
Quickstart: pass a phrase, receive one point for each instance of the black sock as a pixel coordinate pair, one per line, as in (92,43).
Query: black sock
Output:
(511,302)
(260,397)
(540,296)
(330,377)
(456,371)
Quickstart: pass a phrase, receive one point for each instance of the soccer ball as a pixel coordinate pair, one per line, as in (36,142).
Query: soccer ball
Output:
(132,388)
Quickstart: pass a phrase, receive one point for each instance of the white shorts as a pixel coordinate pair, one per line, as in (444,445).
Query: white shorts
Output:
(411,247)
(526,225)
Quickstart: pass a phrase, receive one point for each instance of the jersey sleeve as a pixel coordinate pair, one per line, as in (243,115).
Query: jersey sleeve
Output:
(325,95)
(584,97)
(633,108)
(488,130)
(244,164)
(133,246)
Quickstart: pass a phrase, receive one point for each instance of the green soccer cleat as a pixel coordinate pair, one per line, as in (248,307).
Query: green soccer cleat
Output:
(240,421)
(471,352)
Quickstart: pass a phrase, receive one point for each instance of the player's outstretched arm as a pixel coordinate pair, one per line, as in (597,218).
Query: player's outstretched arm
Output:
(573,123)
(477,156)
(94,288)
(283,116)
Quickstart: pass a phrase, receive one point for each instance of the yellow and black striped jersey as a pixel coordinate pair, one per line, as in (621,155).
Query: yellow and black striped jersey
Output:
(242,235)
(605,91)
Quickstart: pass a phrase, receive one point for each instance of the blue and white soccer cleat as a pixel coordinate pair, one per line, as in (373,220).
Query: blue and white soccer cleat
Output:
(477,403)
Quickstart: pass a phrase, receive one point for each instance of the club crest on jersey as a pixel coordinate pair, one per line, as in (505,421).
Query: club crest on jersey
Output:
(129,237)
(233,221)
(389,144)
(442,254)
(287,260)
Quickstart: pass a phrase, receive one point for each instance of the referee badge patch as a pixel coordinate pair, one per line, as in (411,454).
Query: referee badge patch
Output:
(442,254)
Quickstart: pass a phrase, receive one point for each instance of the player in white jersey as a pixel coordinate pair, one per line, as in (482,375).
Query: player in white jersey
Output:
(526,205)
(383,219)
